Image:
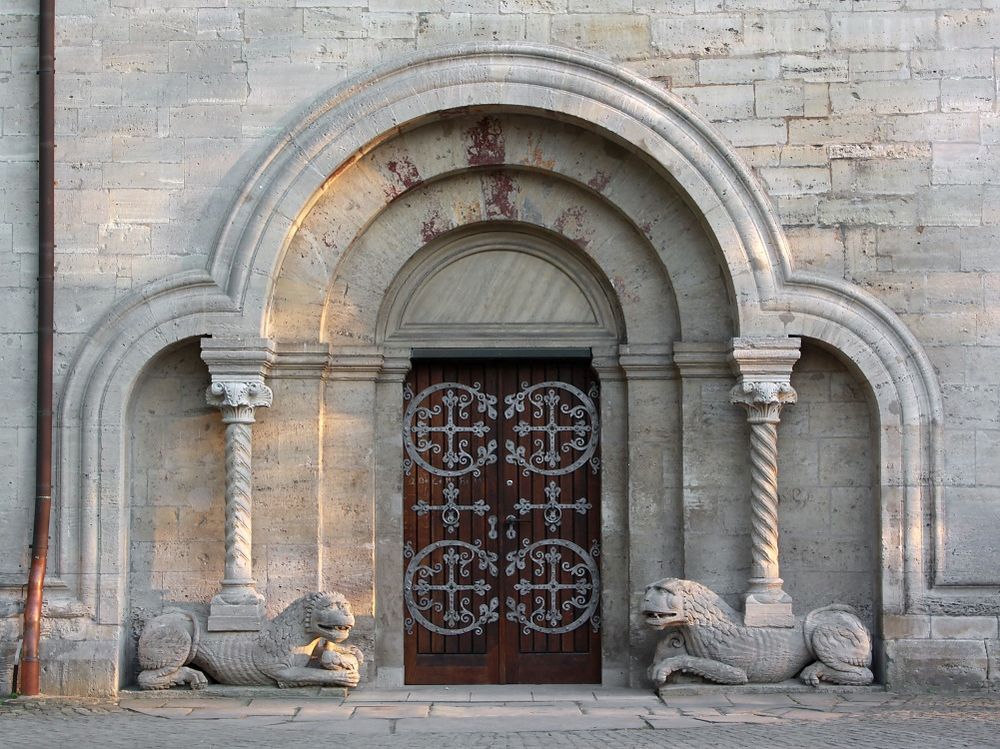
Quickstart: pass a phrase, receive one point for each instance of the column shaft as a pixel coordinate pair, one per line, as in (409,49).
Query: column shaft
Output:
(239,521)
(238,605)
(766,603)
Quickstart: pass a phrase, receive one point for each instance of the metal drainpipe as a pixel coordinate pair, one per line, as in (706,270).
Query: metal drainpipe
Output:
(29,670)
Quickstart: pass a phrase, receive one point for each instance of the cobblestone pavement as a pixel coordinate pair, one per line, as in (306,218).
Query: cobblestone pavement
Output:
(507,717)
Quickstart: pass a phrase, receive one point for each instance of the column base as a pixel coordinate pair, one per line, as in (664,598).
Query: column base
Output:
(769,609)
(235,617)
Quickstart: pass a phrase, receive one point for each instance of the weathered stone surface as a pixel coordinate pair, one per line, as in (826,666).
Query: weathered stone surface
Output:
(919,665)
(278,654)
(829,645)
(872,131)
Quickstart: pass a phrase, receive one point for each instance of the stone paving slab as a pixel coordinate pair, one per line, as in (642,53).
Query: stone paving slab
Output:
(721,721)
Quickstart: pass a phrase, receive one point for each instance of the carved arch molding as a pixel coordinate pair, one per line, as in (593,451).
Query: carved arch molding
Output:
(246,290)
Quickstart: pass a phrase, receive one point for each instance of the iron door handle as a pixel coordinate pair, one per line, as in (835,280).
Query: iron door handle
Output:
(511,522)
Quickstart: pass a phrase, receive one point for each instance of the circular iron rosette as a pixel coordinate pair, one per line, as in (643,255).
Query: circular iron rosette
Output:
(562,582)
(563,430)
(449,443)
(446,587)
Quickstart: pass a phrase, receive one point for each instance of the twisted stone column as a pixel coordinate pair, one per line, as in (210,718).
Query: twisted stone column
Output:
(766,603)
(238,606)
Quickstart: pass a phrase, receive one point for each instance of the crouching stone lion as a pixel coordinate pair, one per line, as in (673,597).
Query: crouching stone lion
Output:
(830,644)
(277,654)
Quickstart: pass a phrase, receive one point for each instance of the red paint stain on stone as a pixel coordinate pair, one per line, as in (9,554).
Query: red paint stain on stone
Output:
(570,223)
(405,171)
(599,181)
(433,226)
(405,176)
(486,143)
(497,190)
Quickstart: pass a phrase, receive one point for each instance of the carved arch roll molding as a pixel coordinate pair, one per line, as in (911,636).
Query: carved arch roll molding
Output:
(233,295)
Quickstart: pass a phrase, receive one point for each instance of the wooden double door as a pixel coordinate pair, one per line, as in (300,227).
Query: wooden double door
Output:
(501,577)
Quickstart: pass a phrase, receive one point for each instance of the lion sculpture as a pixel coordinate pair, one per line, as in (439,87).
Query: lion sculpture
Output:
(830,644)
(278,654)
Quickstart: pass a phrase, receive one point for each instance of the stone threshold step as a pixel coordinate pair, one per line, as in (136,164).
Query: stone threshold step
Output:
(224,690)
(782,687)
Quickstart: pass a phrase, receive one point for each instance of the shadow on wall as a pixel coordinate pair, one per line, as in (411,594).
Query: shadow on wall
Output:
(176,492)
(828,509)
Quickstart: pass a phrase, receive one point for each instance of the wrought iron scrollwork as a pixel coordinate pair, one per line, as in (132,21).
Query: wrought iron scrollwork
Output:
(552,509)
(552,441)
(458,428)
(458,587)
(554,599)
(450,510)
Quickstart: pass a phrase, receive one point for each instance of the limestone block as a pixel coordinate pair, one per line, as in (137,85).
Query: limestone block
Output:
(216,120)
(666,70)
(820,130)
(970,521)
(991,206)
(617,36)
(778,99)
(204,56)
(879,176)
(217,88)
(969,95)
(884,97)
(136,57)
(968,29)
(756,132)
(219,23)
(139,206)
(964,627)
(956,164)
(951,63)
(796,180)
(160,24)
(700,35)
(147,175)
(720,102)
(738,70)
(800,31)
(390,25)
(878,66)
(952,205)
(815,69)
(87,668)
(883,30)
(127,120)
(797,210)
(932,127)
(906,627)
(879,211)
(993,661)
(918,665)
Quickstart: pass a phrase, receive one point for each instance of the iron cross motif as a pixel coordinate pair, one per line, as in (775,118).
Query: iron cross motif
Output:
(456,403)
(546,401)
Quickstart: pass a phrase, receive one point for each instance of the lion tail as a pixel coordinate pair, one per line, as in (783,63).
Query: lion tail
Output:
(838,637)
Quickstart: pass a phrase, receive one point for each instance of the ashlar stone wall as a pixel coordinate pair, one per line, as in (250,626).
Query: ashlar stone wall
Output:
(873,126)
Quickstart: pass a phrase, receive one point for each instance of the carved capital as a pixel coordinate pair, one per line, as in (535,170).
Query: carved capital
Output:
(763,399)
(238,399)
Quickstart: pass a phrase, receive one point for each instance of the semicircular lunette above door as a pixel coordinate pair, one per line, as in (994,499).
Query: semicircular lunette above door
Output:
(499,285)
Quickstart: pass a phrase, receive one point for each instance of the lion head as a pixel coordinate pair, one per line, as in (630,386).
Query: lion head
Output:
(672,602)
(328,615)
(663,605)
